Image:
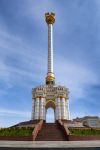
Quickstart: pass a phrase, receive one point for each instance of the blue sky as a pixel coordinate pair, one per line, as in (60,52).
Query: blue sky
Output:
(23,55)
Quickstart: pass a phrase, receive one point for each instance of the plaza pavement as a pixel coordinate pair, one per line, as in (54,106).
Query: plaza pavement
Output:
(28,145)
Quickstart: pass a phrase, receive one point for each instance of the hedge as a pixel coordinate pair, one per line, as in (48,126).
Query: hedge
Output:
(86,132)
(16,131)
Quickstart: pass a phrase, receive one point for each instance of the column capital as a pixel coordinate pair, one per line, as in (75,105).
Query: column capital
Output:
(61,97)
(37,98)
(50,18)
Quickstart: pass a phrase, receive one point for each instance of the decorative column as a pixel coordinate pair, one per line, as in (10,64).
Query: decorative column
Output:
(67,109)
(33,107)
(37,108)
(42,108)
(56,110)
(50,19)
(63,108)
(50,48)
(59,108)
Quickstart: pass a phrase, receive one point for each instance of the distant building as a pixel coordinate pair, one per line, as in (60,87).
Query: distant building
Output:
(89,121)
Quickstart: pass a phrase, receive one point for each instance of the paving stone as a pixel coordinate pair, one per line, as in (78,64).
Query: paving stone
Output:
(38,145)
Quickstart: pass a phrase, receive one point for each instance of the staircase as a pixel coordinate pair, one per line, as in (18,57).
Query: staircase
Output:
(51,132)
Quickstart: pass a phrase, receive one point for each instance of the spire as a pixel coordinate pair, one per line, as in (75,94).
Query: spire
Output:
(50,19)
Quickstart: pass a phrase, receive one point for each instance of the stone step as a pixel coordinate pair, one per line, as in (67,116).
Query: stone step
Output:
(51,132)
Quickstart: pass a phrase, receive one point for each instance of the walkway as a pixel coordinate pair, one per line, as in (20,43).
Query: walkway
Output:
(49,144)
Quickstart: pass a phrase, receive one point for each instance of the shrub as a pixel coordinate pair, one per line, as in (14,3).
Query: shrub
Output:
(84,132)
(16,131)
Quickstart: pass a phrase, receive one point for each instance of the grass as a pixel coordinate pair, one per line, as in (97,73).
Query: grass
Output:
(84,132)
(16,131)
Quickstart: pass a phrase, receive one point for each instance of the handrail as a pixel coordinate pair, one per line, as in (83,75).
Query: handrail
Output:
(37,129)
(67,132)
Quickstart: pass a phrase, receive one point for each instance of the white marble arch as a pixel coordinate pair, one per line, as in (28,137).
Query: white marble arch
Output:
(50,104)
(59,105)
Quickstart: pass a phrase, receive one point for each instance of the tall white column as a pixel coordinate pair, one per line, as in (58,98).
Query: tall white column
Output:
(59,108)
(50,19)
(63,109)
(33,108)
(56,110)
(67,109)
(37,108)
(50,48)
(42,108)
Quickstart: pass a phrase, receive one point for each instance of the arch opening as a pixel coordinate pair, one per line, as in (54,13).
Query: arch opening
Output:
(50,111)
(50,115)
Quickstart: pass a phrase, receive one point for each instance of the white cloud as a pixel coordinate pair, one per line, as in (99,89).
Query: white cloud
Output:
(27,61)
(36,12)
(75,77)
(72,75)
(14,113)
(4,74)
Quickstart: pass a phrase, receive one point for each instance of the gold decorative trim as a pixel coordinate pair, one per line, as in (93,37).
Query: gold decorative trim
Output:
(50,101)
(62,97)
(50,78)
(50,18)
(53,106)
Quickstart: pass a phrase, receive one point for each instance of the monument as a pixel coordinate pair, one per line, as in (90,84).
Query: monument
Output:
(50,94)
(55,96)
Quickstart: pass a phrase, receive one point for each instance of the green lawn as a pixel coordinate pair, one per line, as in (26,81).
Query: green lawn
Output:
(84,132)
(16,131)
